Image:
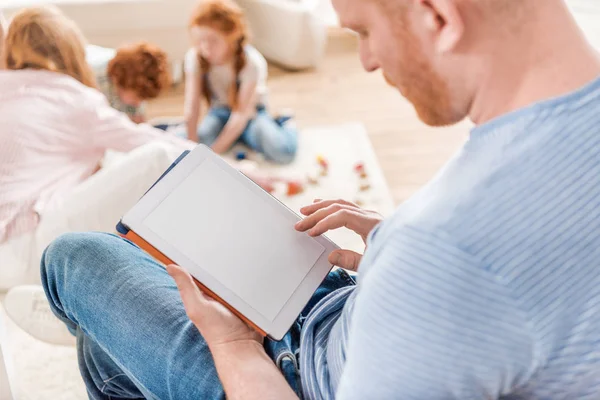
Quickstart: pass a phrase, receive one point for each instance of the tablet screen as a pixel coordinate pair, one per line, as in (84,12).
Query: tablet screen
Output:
(243,241)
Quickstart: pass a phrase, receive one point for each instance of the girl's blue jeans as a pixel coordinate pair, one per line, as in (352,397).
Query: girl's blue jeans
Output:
(277,142)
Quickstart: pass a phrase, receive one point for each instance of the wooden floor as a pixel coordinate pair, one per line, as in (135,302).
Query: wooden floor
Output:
(341,91)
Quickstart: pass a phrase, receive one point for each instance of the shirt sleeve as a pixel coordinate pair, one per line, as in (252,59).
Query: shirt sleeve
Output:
(190,63)
(255,70)
(430,322)
(111,129)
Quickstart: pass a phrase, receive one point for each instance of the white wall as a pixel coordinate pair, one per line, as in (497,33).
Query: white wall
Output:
(111,23)
(587,14)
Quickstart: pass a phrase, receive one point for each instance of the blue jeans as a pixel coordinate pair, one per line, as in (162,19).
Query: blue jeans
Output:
(263,134)
(134,339)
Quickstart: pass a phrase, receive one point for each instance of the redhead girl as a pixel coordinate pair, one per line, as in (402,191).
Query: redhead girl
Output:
(229,76)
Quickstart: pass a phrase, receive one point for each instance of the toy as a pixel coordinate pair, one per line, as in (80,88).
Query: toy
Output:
(312,179)
(322,162)
(324,165)
(360,170)
(240,155)
(294,188)
(364,186)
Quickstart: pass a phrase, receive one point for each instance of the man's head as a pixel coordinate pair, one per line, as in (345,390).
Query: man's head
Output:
(139,72)
(431,50)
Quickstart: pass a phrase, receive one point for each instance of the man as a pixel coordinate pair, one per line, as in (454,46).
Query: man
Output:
(484,285)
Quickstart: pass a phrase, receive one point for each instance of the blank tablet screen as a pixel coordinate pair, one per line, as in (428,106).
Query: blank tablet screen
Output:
(245,242)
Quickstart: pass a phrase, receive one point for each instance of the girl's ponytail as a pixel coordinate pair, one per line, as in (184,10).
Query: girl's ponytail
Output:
(238,64)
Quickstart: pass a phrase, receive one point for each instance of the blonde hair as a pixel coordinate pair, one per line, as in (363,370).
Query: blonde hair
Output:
(227,18)
(44,38)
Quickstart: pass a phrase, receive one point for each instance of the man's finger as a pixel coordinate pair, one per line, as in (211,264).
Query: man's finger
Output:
(346,259)
(313,219)
(193,299)
(320,204)
(343,218)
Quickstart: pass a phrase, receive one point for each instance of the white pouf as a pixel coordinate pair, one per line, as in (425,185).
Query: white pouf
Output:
(5,363)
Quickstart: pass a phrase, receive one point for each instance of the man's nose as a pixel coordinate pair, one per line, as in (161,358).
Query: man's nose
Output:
(370,66)
(367,60)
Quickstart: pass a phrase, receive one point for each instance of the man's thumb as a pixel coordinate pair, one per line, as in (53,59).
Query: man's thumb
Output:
(179,274)
(190,294)
(346,259)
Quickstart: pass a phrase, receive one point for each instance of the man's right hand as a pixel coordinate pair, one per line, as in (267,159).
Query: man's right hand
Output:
(325,215)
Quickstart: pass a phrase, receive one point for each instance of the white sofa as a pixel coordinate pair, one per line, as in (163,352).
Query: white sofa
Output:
(291,33)
(288,32)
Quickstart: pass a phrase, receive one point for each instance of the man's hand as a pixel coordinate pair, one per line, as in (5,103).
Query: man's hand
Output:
(219,326)
(325,215)
(244,368)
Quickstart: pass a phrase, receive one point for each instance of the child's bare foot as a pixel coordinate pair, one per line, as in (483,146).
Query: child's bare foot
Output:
(266,182)
(262,179)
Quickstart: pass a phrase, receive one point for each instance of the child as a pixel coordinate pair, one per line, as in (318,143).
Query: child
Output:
(230,76)
(130,75)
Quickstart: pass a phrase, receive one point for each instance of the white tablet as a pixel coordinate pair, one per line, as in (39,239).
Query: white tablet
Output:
(234,238)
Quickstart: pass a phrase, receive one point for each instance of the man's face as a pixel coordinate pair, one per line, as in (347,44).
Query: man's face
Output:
(404,51)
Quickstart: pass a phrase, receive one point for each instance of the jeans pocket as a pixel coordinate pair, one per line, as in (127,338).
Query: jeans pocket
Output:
(347,278)
(118,386)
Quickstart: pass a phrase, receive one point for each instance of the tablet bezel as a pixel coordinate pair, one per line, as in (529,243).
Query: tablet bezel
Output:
(134,218)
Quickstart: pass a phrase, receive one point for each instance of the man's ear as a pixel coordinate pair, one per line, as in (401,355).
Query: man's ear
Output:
(443,20)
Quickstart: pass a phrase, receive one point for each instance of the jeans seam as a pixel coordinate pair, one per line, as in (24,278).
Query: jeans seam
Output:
(106,381)
(347,277)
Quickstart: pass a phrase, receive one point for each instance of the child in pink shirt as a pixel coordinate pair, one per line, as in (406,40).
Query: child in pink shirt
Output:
(56,126)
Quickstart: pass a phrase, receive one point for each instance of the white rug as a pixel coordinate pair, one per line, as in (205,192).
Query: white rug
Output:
(45,372)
